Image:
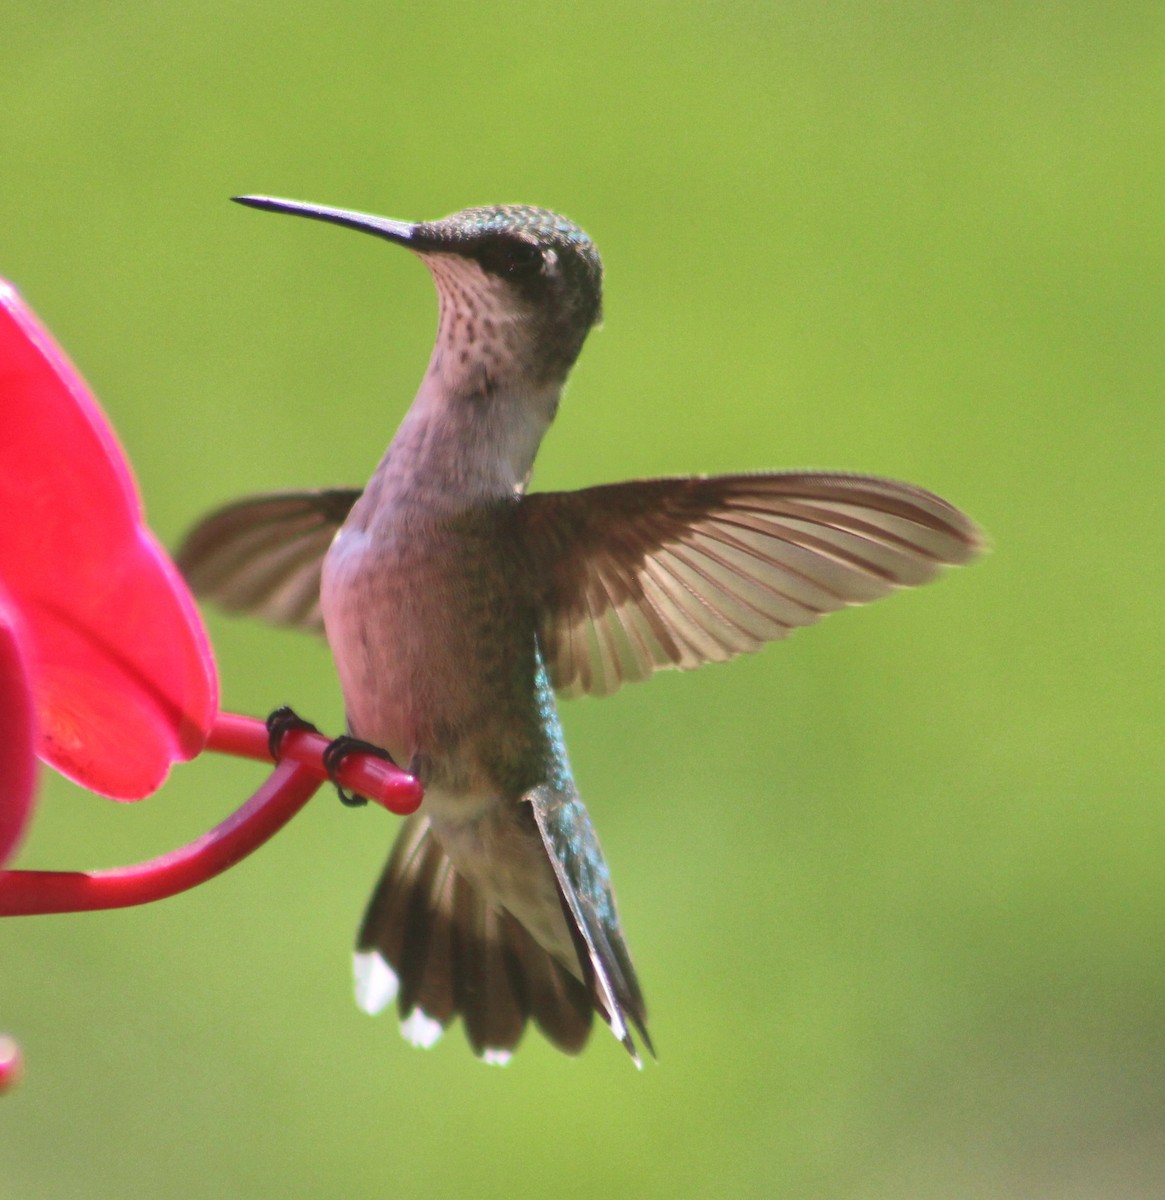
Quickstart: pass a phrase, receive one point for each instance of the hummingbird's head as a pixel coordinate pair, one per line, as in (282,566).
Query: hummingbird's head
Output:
(519,288)
(533,275)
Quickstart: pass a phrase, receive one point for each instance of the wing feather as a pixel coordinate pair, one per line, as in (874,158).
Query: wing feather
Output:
(659,573)
(263,555)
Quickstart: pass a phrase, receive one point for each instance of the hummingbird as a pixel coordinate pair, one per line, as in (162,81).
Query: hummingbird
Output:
(457,605)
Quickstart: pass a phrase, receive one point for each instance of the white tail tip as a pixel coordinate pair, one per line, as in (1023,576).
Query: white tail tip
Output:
(419,1029)
(376,982)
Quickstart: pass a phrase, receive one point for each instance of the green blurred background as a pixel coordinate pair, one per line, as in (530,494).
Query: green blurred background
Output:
(894,887)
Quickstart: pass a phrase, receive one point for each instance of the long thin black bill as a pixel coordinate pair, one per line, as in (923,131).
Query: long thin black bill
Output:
(400,232)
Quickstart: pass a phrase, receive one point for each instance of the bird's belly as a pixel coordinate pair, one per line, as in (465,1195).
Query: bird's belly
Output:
(436,659)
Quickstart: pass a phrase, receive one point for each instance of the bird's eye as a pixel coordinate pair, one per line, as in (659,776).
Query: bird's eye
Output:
(512,258)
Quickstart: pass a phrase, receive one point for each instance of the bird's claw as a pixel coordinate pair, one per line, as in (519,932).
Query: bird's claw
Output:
(280,723)
(286,720)
(333,759)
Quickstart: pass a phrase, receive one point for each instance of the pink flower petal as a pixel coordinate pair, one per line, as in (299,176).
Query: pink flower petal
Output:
(17,739)
(121,666)
(11,1063)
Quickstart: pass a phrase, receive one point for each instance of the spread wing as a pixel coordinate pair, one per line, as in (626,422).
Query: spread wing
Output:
(636,577)
(263,555)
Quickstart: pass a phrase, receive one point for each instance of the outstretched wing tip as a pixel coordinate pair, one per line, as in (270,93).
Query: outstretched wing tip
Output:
(262,555)
(674,573)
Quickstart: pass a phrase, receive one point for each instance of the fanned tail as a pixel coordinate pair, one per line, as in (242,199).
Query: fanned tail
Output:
(433,943)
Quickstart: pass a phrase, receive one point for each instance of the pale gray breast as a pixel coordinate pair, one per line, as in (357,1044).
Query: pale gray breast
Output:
(433,635)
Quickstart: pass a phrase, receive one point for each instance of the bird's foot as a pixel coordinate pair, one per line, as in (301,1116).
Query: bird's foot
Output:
(339,750)
(286,720)
(280,723)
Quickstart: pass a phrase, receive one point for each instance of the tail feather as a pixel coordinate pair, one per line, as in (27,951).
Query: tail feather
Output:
(388,911)
(560,1004)
(426,956)
(489,988)
(431,940)
(589,907)
(609,974)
